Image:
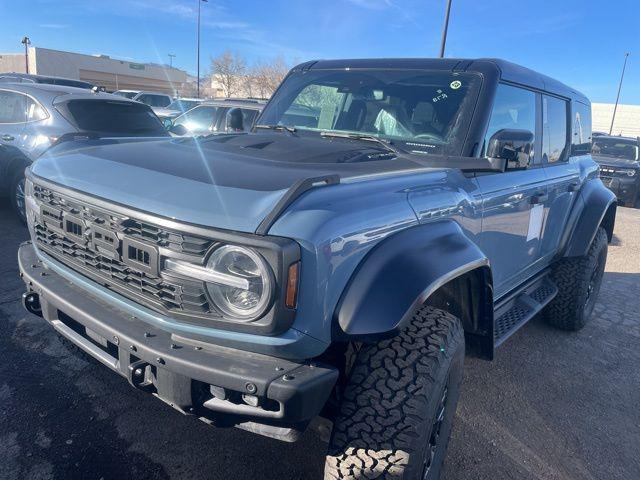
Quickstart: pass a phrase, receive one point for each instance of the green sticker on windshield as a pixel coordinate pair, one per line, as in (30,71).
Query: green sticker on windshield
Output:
(456,84)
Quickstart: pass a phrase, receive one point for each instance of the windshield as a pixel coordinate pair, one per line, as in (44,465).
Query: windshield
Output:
(421,111)
(182,105)
(198,120)
(125,94)
(117,118)
(615,147)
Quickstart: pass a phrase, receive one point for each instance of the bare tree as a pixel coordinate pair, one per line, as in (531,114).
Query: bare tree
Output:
(229,70)
(268,75)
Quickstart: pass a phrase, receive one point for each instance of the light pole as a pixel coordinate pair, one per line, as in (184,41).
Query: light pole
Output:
(198,79)
(171,57)
(26,42)
(445,27)
(613,118)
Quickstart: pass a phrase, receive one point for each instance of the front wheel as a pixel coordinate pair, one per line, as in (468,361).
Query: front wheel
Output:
(397,412)
(16,192)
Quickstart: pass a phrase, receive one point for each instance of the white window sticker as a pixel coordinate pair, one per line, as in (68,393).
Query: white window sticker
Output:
(456,84)
(535,222)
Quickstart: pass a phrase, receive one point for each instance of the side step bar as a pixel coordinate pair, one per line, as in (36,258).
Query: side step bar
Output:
(521,307)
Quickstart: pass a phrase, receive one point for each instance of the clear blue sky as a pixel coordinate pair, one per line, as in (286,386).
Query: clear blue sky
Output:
(580,42)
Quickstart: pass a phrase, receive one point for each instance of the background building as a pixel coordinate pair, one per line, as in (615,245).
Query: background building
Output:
(627,119)
(100,70)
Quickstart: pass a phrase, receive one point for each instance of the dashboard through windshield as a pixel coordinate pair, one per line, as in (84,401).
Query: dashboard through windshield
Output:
(420,111)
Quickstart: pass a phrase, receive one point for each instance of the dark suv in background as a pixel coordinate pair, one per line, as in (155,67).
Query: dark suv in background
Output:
(619,161)
(35,116)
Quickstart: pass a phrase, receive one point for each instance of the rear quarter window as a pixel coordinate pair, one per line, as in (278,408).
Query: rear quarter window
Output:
(110,117)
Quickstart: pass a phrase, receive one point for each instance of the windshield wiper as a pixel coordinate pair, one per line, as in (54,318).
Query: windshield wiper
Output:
(278,128)
(387,144)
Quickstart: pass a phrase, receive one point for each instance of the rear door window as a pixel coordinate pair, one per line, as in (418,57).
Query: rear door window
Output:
(13,107)
(111,117)
(581,139)
(554,124)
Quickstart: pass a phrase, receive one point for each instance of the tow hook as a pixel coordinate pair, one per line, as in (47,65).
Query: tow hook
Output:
(137,375)
(31,301)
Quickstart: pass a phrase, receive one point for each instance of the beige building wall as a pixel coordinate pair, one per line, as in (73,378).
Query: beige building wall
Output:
(627,121)
(111,73)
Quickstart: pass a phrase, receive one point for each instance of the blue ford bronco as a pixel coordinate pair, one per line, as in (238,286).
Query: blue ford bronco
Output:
(329,269)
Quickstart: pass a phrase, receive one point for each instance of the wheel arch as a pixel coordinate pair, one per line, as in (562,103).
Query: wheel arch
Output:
(597,209)
(433,263)
(11,160)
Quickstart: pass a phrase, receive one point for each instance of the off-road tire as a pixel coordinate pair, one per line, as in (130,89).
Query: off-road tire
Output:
(393,400)
(17,178)
(578,280)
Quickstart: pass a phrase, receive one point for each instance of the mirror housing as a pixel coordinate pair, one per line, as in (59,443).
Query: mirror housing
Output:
(179,130)
(513,146)
(168,123)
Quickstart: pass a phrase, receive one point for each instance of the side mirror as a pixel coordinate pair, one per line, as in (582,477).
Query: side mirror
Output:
(168,123)
(513,146)
(179,130)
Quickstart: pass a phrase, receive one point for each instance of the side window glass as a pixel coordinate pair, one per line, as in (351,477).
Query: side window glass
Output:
(581,137)
(513,108)
(554,129)
(13,107)
(35,111)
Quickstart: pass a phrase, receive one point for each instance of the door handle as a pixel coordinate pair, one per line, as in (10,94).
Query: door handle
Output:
(8,138)
(573,187)
(539,198)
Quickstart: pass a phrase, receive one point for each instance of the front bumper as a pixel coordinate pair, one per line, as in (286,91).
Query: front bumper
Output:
(192,376)
(627,189)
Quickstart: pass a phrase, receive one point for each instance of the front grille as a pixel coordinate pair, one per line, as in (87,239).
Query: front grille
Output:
(121,252)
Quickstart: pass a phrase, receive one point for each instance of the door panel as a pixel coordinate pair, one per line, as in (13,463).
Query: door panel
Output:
(562,172)
(510,229)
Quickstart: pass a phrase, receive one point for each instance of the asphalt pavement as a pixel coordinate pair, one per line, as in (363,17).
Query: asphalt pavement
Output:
(552,405)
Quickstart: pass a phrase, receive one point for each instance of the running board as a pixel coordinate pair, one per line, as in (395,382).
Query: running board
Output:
(521,307)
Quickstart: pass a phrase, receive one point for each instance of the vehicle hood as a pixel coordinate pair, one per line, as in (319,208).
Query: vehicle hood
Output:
(225,181)
(615,162)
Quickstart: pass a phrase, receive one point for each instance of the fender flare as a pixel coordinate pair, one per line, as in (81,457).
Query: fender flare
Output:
(597,207)
(399,274)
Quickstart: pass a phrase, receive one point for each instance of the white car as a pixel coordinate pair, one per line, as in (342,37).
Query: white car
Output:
(153,99)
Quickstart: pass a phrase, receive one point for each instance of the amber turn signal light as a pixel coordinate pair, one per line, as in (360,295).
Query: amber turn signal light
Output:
(291,299)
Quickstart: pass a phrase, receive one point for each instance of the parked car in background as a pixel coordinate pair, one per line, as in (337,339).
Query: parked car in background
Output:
(35,116)
(216,116)
(619,160)
(177,107)
(330,268)
(28,78)
(153,99)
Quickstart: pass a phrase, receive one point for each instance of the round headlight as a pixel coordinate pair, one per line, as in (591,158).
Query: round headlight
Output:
(235,301)
(631,173)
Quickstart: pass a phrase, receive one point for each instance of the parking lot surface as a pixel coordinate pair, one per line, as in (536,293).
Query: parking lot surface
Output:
(553,405)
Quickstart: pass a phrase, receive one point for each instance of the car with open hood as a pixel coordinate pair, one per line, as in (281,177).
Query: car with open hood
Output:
(330,268)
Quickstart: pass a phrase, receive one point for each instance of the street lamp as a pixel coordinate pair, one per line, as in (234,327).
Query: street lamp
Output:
(171,57)
(198,79)
(26,42)
(445,27)
(613,118)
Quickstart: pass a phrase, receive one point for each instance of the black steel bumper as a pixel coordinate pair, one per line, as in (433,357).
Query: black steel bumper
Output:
(627,189)
(218,384)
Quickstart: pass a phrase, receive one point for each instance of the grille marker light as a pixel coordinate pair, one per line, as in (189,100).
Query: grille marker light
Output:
(205,274)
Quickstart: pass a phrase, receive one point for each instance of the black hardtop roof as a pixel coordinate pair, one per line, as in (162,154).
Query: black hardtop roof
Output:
(508,71)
